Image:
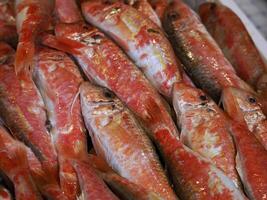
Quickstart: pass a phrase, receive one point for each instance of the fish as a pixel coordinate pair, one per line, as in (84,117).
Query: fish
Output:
(7,12)
(119,139)
(245,108)
(32,18)
(146,9)
(204,128)
(58,79)
(13,163)
(159,6)
(8,32)
(66,11)
(193,176)
(120,186)
(143,41)
(251,162)
(48,187)
(106,65)
(239,49)
(23,112)
(6,53)
(201,56)
(127,190)
(92,186)
(5,193)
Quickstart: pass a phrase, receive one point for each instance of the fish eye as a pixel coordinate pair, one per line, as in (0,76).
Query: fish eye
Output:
(173,15)
(108,94)
(97,37)
(203,97)
(252,100)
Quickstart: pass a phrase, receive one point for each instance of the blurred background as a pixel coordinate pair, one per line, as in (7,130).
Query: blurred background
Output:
(256,11)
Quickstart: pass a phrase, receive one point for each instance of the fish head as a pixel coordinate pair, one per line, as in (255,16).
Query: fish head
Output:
(238,103)
(98,102)
(187,98)
(80,32)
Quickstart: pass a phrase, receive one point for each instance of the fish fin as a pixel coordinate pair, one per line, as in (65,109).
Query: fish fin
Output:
(24,57)
(74,100)
(61,43)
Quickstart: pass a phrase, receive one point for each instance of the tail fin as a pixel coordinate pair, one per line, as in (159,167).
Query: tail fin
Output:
(24,57)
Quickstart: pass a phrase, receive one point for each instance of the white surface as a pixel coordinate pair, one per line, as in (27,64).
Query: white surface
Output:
(259,40)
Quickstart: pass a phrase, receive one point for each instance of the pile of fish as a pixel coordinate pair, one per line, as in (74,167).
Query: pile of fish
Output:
(131,100)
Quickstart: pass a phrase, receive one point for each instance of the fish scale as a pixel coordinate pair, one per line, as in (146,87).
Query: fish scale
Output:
(59,89)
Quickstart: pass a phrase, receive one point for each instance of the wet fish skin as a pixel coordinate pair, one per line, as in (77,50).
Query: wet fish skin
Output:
(159,6)
(193,176)
(222,23)
(143,41)
(251,162)
(119,139)
(115,72)
(58,79)
(122,187)
(92,186)
(8,31)
(244,108)
(23,112)
(201,56)
(127,190)
(96,55)
(67,11)
(32,18)
(145,8)
(48,187)
(204,128)
(14,164)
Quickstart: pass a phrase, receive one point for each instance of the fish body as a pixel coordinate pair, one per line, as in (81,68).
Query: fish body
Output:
(106,65)
(120,186)
(146,9)
(119,139)
(32,18)
(193,176)
(14,164)
(159,6)
(6,53)
(204,128)
(58,79)
(142,40)
(201,56)
(244,108)
(48,187)
(23,112)
(67,11)
(8,31)
(92,186)
(251,162)
(222,23)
